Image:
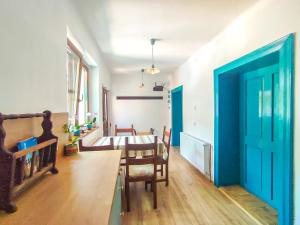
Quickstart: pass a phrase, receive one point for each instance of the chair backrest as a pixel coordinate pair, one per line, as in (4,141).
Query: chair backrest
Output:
(96,148)
(140,148)
(167,138)
(130,130)
(150,132)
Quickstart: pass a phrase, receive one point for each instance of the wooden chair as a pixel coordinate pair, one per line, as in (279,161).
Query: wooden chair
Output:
(160,160)
(96,148)
(141,169)
(150,132)
(130,130)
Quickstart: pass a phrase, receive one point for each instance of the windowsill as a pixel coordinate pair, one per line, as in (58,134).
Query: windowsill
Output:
(87,132)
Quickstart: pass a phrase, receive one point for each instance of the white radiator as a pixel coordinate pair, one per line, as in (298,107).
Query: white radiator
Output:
(197,152)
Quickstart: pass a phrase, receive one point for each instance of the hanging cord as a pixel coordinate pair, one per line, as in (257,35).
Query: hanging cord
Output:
(152,43)
(152,56)
(142,84)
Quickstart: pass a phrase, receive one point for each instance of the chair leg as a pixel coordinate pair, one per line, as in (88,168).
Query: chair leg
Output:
(154,194)
(167,174)
(162,169)
(127,192)
(146,185)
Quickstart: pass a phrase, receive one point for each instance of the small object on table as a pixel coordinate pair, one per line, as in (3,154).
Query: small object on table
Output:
(89,126)
(71,148)
(76,133)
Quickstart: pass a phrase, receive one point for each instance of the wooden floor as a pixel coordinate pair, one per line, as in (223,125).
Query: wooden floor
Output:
(189,199)
(254,207)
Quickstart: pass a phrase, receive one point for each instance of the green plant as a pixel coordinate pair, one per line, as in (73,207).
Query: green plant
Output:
(77,127)
(74,141)
(88,122)
(67,128)
(91,118)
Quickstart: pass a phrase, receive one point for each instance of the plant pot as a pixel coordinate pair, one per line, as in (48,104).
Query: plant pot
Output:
(76,133)
(89,126)
(71,149)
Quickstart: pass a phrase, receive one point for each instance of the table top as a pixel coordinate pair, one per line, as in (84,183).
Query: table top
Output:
(82,193)
(119,141)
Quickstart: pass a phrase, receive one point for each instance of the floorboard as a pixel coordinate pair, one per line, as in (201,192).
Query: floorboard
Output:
(254,207)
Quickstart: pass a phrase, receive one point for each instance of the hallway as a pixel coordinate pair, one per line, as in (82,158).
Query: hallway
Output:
(189,199)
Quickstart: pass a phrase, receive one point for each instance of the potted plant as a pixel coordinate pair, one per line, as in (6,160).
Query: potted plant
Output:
(89,125)
(71,148)
(90,121)
(68,130)
(94,121)
(77,130)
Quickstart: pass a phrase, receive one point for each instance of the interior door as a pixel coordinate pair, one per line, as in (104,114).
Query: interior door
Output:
(177,123)
(260,143)
(105,111)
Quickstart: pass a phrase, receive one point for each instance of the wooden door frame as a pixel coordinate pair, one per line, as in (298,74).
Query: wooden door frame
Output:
(176,90)
(104,93)
(284,48)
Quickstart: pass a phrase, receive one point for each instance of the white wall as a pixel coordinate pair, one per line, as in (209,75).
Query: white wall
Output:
(267,21)
(143,114)
(33,54)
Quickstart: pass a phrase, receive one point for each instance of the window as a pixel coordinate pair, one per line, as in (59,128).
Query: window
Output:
(77,76)
(83,96)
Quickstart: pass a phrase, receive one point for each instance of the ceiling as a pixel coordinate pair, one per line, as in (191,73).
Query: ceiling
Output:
(123,28)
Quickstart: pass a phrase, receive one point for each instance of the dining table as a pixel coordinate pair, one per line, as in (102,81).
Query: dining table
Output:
(119,143)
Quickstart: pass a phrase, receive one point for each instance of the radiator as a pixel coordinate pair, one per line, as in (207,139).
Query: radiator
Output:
(197,152)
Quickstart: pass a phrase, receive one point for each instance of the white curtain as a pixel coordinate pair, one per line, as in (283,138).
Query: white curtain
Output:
(73,66)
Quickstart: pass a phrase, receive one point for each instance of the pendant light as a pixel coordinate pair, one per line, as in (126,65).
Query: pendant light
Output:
(152,70)
(142,84)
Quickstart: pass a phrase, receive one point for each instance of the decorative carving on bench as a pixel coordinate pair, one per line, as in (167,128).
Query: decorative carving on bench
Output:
(12,161)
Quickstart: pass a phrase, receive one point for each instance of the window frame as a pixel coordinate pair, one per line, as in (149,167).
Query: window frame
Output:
(82,64)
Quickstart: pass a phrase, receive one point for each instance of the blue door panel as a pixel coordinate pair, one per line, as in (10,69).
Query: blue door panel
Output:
(253,107)
(267,176)
(253,169)
(259,133)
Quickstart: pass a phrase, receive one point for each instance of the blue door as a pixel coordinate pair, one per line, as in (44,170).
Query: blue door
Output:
(177,126)
(260,137)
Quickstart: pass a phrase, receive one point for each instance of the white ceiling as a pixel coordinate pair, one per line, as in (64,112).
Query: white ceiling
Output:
(123,28)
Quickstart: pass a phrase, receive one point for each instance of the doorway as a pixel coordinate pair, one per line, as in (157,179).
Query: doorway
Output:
(177,123)
(105,111)
(253,125)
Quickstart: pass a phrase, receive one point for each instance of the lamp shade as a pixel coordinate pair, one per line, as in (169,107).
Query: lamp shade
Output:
(153,70)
